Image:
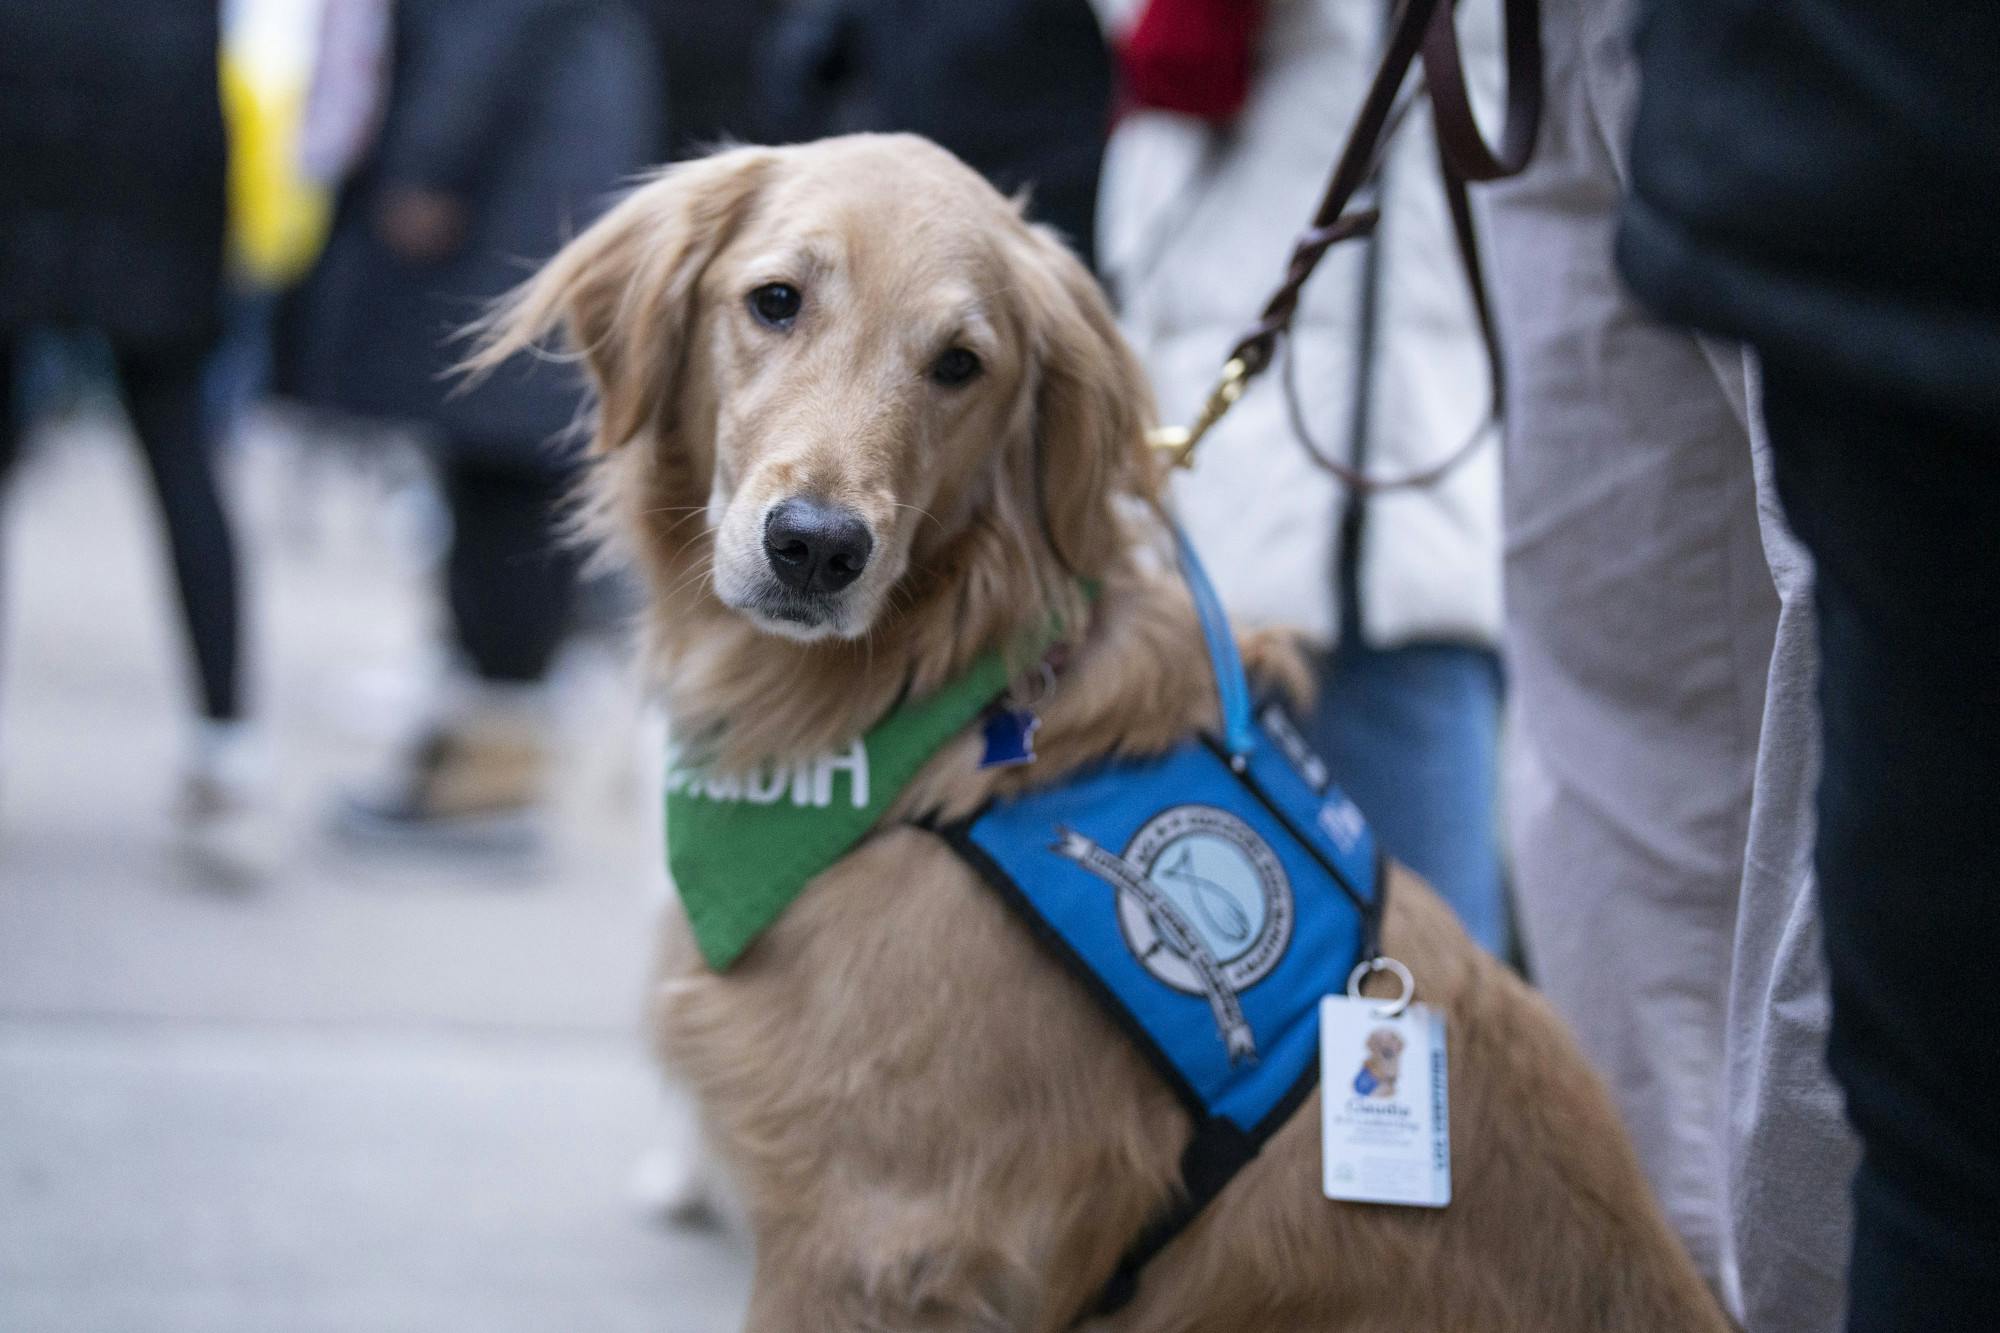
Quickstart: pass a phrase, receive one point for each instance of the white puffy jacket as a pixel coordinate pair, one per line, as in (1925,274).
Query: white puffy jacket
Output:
(1195,226)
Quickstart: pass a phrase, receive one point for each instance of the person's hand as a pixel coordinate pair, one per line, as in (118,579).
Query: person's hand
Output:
(420,225)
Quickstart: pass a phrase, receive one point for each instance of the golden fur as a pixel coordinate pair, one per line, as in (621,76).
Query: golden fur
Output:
(932,1125)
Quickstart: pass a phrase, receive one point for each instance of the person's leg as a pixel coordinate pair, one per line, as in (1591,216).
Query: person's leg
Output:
(164,393)
(223,800)
(510,578)
(10,445)
(10,411)
(1412,735)
(1791,1151)
(1900,511)
(477,764)
(1640,618)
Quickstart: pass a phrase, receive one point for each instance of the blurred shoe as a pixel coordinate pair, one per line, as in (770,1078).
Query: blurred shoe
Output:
(224,818)
(473,778)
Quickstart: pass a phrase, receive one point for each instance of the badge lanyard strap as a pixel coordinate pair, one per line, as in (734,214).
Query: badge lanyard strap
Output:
(1239,735)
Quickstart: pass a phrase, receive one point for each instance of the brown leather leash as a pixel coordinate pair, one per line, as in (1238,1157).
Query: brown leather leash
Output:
(1421,30)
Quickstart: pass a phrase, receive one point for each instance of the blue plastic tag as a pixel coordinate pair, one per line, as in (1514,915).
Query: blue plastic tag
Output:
(1010,738)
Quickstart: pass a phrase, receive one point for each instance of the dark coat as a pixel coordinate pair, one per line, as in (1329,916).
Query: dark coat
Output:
(1819,178)
(532,113)
(1020,89)
(710,53)
(112,167)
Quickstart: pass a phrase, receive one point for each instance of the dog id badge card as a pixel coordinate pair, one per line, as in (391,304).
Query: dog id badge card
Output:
(1385,1128)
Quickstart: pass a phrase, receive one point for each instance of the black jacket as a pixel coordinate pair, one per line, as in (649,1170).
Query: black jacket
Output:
(531,112)
(709,52)
(112,167)
(1822,179)
(1020,89)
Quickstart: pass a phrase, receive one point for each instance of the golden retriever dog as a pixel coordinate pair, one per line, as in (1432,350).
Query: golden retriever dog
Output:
(1385,1062)
(860,424)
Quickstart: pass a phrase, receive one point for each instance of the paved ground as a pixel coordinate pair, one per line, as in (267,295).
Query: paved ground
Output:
(368,1092)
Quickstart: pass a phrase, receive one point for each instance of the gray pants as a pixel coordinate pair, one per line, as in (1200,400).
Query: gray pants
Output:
(1663,740)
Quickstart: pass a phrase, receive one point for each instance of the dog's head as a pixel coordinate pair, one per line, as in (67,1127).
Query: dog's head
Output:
(848,368)
(1385,1046)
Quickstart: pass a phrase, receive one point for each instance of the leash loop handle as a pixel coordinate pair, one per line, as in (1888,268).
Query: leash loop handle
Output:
(1421,29)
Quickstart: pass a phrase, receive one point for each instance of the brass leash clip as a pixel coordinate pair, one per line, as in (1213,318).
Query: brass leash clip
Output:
(1177,442)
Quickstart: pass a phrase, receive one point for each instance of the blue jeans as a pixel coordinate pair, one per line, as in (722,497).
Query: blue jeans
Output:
(1412,734)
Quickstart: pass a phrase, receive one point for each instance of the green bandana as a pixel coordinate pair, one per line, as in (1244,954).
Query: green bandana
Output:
(742,849)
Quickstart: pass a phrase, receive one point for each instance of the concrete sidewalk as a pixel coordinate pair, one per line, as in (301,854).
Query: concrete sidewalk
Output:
(368,1092)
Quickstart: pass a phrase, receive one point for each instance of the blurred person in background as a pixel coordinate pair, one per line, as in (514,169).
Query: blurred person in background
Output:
(1236,112)
(113,213)
(710,54)
(1019,89)
(343,106)
(507,125)
(278,202)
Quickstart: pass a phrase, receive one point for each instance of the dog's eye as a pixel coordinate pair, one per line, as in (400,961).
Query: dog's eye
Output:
(775,304)
(957,366)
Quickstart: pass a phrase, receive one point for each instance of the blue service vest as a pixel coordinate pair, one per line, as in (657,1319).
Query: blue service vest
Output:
(1209,910)
(1206,900)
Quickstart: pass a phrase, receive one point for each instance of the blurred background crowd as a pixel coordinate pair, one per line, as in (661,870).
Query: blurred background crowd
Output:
(304,684)
(279,269)
(328,839)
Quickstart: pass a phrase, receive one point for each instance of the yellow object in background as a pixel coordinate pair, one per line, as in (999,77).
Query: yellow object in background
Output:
(278,218)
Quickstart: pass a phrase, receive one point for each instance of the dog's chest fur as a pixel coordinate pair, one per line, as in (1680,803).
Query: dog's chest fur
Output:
(888,1067)
(886,1072)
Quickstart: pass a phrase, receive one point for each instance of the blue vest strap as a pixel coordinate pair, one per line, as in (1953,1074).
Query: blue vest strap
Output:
(1231,686)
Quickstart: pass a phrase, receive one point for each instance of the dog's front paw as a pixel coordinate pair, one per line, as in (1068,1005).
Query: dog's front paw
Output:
(671,1187)
(679,1182)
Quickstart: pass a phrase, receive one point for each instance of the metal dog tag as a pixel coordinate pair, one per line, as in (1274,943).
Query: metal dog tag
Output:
(1384,1103)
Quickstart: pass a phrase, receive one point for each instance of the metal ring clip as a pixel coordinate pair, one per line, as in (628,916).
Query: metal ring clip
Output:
(1040,687)
(1380,963)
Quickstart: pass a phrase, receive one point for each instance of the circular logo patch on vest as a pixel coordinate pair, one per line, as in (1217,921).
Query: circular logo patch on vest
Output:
(1223,882)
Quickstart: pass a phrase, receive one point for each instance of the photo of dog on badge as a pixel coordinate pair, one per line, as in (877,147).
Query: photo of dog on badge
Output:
(1383,1063)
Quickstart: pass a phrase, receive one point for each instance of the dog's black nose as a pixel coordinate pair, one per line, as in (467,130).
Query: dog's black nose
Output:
(814,546)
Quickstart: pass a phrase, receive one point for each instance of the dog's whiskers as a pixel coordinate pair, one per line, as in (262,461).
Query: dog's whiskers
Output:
(924,512)
(687,514)
(693,578)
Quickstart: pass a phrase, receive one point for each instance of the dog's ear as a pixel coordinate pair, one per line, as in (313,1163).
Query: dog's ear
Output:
(1092,407)
(623,292)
